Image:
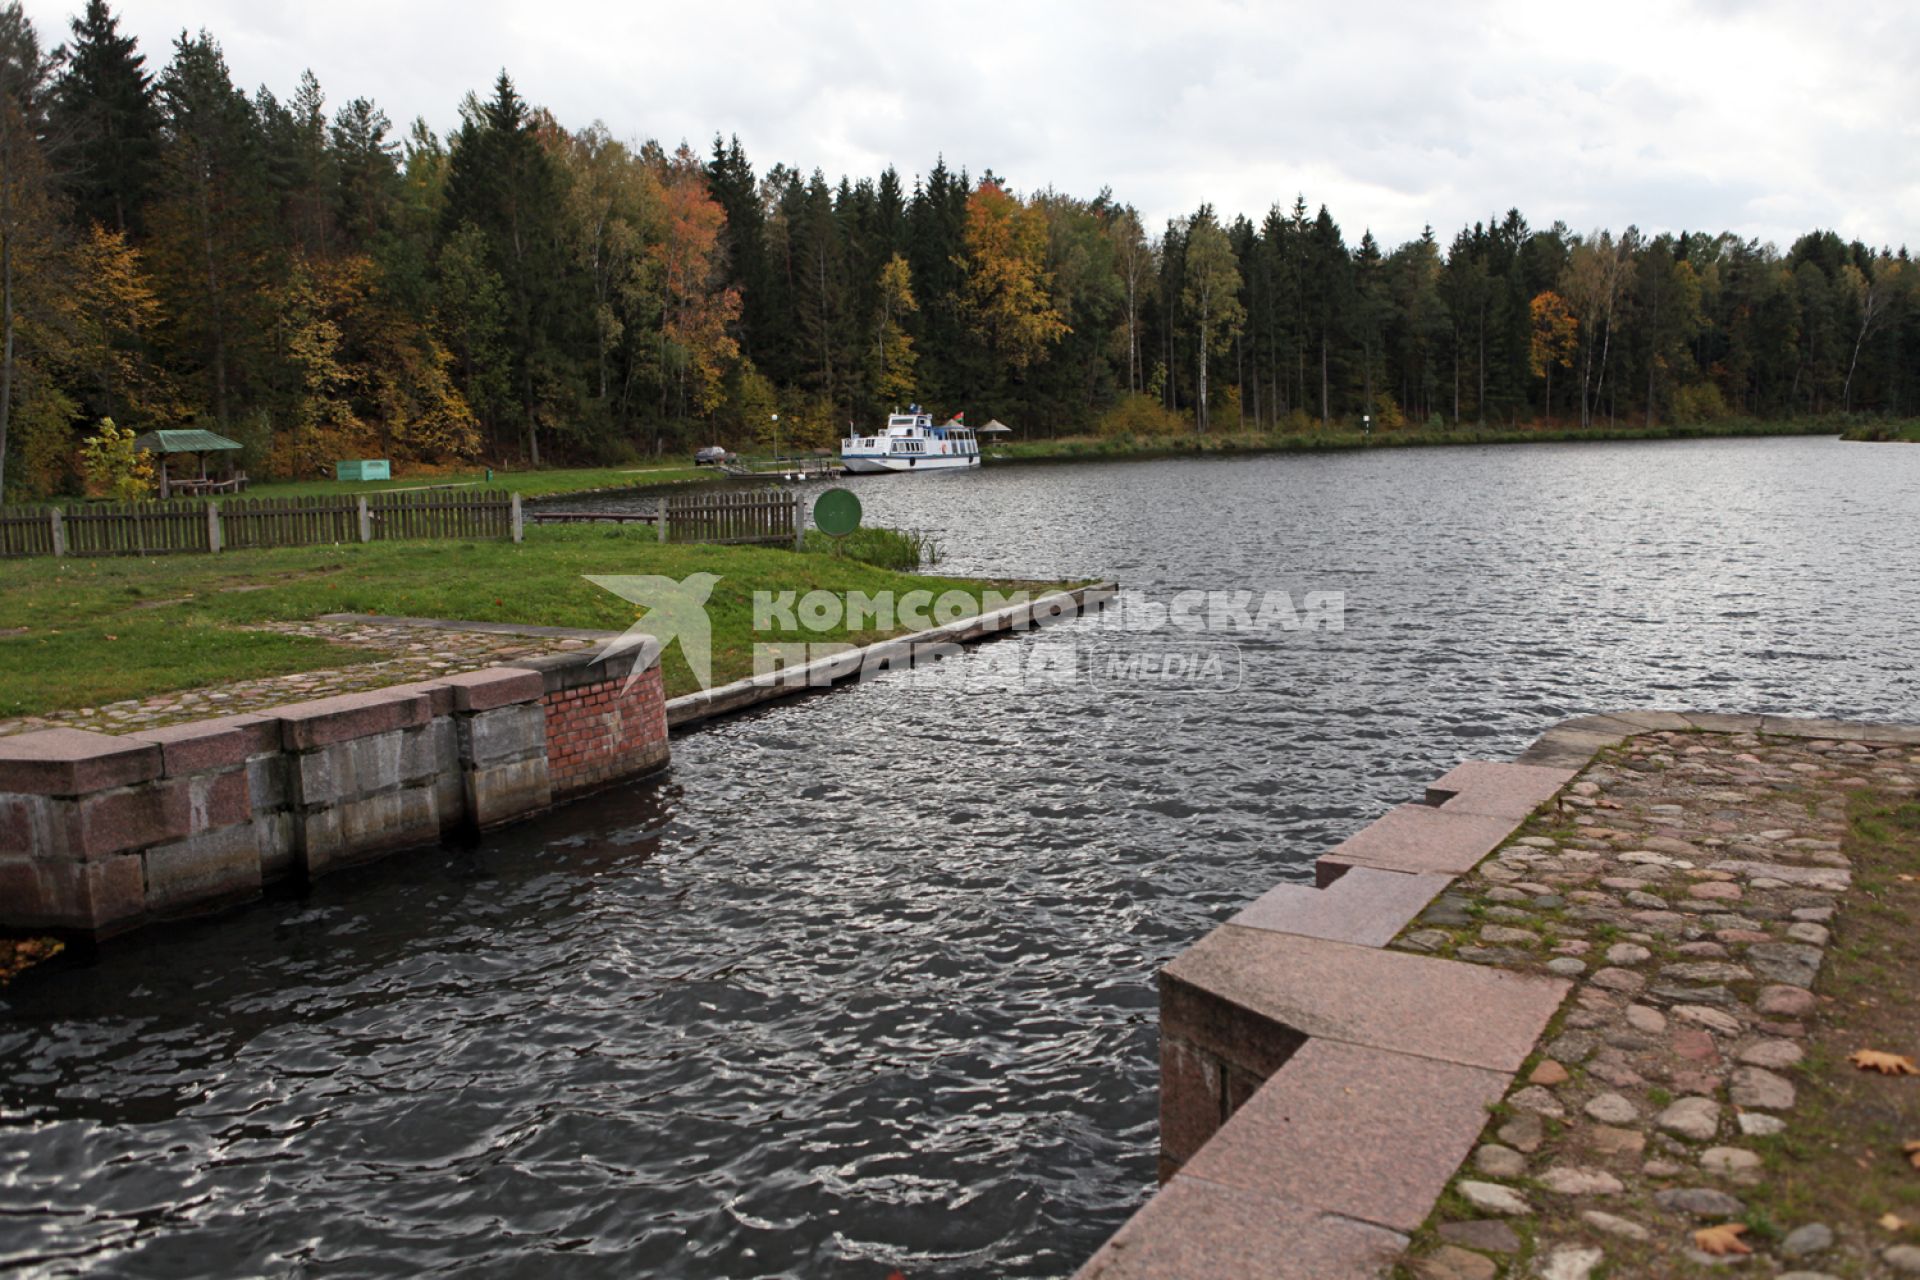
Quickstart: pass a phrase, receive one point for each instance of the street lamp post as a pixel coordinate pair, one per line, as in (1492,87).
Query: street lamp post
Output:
(776,439)
(1366,426)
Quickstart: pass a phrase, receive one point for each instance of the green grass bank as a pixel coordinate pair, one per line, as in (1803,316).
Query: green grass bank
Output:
(1883,432)
(531,484)
(82,632)
(1083,447)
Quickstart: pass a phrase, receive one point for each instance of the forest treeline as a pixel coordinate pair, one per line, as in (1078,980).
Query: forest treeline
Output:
(177,251)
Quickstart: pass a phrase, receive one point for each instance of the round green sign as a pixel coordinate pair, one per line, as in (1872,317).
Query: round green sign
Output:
(836,512)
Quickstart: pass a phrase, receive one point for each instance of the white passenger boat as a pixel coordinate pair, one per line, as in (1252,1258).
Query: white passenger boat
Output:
(911,442)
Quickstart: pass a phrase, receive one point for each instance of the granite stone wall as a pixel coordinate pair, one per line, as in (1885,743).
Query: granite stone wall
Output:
(101,833)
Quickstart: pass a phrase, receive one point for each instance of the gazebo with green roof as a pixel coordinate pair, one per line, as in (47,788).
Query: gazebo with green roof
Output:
(200,443)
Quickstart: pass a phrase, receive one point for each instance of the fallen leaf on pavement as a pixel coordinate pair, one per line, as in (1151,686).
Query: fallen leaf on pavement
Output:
(1724,1238)
(1887,1064)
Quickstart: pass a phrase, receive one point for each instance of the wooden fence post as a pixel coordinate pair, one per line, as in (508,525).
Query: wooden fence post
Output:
(366,518)
(58,520)
(799,523)
(660,520)
(213,526)
(519,521)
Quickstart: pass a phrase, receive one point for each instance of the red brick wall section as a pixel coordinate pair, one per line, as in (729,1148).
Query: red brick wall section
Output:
(597,733)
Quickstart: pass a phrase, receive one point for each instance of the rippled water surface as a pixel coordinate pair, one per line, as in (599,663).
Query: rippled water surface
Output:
(867,982)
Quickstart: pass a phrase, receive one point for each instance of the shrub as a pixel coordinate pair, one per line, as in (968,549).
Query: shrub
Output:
(1386,413)
(113,468)
(899,549)
(1699,402)
(1142,416)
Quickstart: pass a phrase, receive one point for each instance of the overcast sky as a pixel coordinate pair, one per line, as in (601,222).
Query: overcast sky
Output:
(1766,119)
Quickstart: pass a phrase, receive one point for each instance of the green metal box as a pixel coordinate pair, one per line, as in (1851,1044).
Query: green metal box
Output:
(363,469)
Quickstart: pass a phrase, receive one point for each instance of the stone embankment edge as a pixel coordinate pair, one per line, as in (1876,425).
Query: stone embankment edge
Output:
(694,709)
(1319,1091)
(901,651)
(102,833)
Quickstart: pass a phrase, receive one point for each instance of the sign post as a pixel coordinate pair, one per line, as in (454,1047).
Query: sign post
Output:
(836,513)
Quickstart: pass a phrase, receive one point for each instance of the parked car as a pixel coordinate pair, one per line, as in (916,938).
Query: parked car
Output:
(712,456)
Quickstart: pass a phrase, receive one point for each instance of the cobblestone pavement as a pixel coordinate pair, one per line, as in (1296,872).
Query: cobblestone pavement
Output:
(1687,884)
(392,653)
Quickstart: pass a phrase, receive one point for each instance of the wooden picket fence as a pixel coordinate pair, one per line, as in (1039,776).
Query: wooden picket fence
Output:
(25,531)
(157,528)
(754,515)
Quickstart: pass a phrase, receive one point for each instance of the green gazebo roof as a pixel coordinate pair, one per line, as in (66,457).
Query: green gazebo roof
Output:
(191,440)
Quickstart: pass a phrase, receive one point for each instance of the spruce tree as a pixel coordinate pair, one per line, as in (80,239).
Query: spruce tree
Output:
(502,181)
(106,118)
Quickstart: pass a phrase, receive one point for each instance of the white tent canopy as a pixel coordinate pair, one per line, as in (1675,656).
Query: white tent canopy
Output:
(995,427)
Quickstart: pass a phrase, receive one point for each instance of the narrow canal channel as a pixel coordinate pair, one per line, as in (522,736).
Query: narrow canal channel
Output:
(867,982)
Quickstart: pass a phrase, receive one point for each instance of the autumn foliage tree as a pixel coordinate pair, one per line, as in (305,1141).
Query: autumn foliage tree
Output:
(893,354)
(1555,333)
(1004,267)
(312,280)
(1212,293)
(696,314)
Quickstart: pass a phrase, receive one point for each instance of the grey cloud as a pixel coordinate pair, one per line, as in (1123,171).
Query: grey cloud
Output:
(1766,119)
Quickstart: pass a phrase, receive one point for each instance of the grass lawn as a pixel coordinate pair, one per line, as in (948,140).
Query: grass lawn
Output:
(1842,1160)
(531,484)
(81,632)
(527,483)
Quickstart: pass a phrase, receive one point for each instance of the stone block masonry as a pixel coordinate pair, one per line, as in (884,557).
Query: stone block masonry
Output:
(1318,1090)
(102,833)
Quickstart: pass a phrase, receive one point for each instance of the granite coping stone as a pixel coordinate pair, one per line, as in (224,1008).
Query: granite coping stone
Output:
(1652,721)
(1570,748)
(1840,730)
(202,745)
(325,721)
(1419,838)
(71,762)
(1720,722)
(438,692)
(1363,905)
(1366,1133)
(1412,1005)
(1497,790)
(563,671)
(1196,1228)
(492,687)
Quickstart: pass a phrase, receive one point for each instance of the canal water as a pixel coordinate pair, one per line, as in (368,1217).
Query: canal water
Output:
(866,983)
